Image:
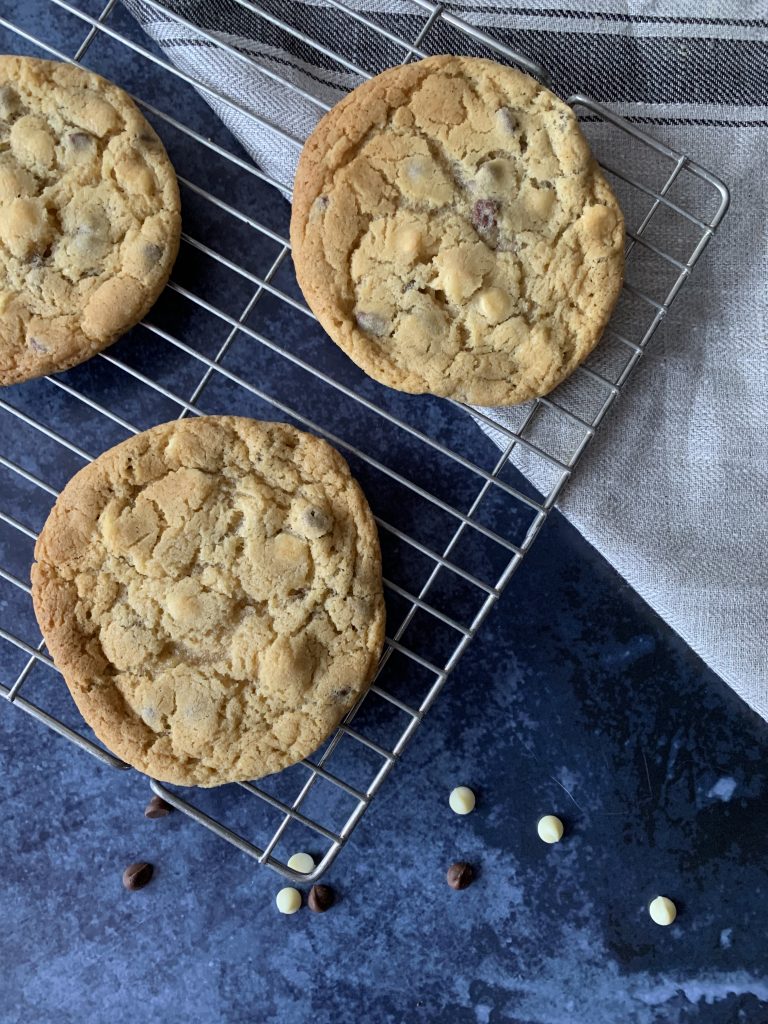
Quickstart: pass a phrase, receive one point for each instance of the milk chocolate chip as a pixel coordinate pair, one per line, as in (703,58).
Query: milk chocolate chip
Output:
(137,875)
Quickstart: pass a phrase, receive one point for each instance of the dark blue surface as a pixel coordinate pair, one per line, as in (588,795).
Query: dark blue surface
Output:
(575,699)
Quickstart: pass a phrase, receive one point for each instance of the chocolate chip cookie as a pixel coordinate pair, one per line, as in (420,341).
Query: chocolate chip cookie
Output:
(89,216)
(453,233)
(211,592)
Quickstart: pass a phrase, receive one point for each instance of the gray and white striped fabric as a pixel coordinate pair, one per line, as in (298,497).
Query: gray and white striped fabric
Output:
(674,491)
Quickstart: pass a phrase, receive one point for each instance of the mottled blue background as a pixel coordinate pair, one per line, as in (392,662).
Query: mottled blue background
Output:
(575,699)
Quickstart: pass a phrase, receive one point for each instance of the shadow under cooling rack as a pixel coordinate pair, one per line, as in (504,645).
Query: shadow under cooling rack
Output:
(232,334)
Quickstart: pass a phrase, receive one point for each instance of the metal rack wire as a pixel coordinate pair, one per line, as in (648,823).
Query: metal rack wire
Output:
(214,343)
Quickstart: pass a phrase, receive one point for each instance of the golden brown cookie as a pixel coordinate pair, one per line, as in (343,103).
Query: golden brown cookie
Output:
(89,216)
(453,233)
(211,592)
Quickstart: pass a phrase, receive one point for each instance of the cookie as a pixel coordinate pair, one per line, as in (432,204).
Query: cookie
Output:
(89,216)
(453,233)
(211,592)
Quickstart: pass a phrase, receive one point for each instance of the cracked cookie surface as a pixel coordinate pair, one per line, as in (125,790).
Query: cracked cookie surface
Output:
(453,233)
(89,216)
(211,592)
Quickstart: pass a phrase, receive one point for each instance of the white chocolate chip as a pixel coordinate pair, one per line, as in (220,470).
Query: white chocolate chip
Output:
(408,242)
(25,226)
(539,202)
(550,829)
(301,862)
(462,800)
(662,910)
(31,142)
(288,900)
(457,284)
(598,221)
(461,271)
(288,550)
(495,305)
(420,178)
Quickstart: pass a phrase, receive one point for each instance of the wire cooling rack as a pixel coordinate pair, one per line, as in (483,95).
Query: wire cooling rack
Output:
(231,333)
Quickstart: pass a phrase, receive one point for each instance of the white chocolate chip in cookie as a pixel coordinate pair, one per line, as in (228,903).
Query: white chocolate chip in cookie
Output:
(92,113)
(598,222)
(193,608)
(408,242)
(290,560)
(289,550)
(31,143)
(495,305)
(539,202)
(422,180)
(25,227)
(461,271)
(133,175)
(15,181)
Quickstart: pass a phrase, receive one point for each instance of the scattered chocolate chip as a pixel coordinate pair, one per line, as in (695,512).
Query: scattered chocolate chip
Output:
(321,898)
(137,875)
(157,808)
(460,875)
(371,323)
(149,138)
(484,214)
(341,695)
(322,202)
(36,345)
(79,140)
